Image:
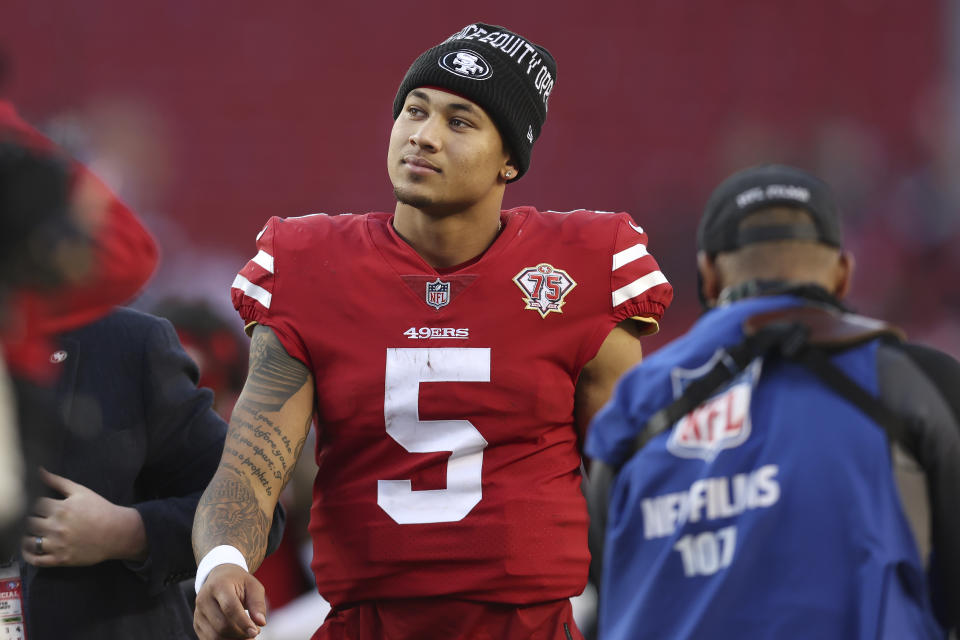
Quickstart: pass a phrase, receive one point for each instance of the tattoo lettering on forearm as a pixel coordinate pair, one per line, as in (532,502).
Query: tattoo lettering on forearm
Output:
(285,454)
(255,469)
(260,453)
(288,473)
(257,417)
(228,513)
(283,437)
(250,427)
(274,376)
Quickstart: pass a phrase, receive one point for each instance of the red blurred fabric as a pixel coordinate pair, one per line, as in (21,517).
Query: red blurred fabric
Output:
(124,257)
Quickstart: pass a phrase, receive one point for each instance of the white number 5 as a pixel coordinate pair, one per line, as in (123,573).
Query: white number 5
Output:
(406,369)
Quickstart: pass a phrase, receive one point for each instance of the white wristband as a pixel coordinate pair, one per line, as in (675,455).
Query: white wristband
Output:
(224,554)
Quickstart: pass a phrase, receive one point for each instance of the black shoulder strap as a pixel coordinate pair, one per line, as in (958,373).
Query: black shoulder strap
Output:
(892,423)
(802,334)
(730,362)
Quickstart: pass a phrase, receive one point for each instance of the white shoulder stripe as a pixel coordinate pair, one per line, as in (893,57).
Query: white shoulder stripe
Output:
(264,259)
(259,294)
(309,215)
(627,256)
(638,286)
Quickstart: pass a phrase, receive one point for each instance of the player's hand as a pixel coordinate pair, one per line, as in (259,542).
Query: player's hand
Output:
(221,601)
(81,529)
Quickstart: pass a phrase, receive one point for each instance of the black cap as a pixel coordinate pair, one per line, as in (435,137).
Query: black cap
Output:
(507,75)
(764,187)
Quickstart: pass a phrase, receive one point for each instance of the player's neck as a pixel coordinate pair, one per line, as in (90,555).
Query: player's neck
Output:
(448,240)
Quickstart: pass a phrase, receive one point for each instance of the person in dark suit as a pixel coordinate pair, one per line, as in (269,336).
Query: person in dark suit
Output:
(106,551)
(71,251)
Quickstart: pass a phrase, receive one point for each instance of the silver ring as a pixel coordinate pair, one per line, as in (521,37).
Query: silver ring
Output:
(38,545)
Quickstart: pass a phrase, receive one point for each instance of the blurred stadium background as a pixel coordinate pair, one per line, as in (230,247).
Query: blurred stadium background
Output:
(208,117)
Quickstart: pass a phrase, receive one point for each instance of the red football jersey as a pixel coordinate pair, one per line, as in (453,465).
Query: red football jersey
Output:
(448,460)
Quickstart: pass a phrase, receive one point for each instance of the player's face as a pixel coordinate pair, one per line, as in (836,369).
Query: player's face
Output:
(445,153)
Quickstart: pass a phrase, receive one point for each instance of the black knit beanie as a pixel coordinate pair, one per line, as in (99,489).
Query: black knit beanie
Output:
(507,75)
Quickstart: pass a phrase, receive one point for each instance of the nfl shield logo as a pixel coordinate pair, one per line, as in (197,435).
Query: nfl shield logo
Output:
(438,293)
(722,421)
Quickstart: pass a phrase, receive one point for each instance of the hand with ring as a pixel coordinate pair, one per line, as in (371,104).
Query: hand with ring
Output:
(80,529)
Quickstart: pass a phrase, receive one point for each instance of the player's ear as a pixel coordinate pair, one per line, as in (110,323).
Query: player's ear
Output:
(709,279)
(508,171)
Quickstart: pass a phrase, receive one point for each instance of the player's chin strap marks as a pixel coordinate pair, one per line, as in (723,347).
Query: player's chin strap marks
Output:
(224,554)
(802,334)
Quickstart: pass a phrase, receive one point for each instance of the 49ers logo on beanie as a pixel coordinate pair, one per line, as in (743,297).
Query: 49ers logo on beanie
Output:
(540,68)
(466,63)
(517,79)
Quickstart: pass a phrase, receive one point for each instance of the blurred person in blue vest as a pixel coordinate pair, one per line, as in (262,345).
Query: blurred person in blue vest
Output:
(781,470)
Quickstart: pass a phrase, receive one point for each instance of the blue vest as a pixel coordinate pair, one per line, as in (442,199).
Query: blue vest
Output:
(770,511)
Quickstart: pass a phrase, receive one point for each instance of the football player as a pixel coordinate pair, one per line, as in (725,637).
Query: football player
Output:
(452,354)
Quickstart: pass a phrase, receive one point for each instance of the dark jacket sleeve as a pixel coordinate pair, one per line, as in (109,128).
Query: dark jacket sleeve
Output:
(923,385)
(184,442)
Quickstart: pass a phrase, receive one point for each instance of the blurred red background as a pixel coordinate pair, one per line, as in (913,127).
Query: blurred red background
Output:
(209,117)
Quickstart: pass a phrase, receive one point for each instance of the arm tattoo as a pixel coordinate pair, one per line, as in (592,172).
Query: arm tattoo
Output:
(274,376)
(268,453)
(228,513)
(258,455)
(288,473)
